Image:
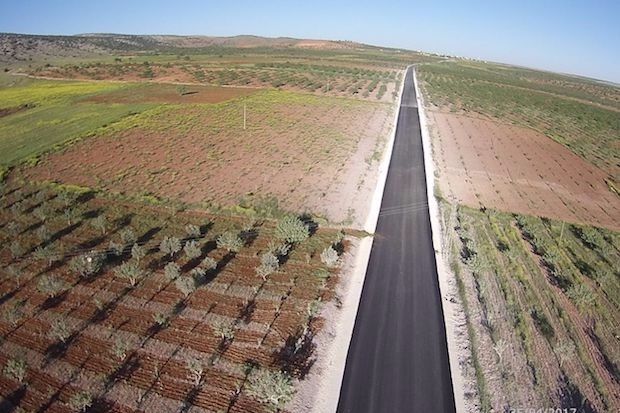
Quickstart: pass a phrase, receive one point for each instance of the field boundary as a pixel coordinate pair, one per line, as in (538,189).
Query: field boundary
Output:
(335,361)
(443,273)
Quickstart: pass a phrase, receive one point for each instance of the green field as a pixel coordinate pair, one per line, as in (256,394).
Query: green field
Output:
(543,302)
(54,115)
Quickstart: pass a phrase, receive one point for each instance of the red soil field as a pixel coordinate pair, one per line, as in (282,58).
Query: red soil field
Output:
(483,163)
(310,155)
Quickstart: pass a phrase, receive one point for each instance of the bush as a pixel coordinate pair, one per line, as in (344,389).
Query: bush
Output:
(59,329)
(15,369)
(186,285)
(196,370)
(137,252)
(224,330)
(192,231)
(209,264)
(172,271)
(230,241)
(170,246)
(329,256)
(292,229)
(86,265)
(268,265)
(81,401)
(192,250)
(51,285)
(129,271)
(272,388)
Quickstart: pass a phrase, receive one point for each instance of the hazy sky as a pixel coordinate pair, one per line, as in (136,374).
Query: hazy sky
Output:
(581,37)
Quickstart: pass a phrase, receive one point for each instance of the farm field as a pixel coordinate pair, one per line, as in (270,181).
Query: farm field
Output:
(526,171)
(308,152)
(542,303)
(143,258)
(95,308)
(485,163)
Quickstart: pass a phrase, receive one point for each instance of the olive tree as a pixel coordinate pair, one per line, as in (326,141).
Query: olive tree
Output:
(292,229)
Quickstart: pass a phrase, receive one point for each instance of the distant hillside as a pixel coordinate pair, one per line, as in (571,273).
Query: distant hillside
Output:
(25,47)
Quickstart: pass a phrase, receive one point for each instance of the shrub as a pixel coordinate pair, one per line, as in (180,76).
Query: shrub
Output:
(115,248)
(59,329)
(14,313)
(86,265)
(192,231)
(170,246)
(15,369)
(43,233)
(268,265)
(161,319)
(100,223)
(196,370)
(192,250)
(81,401)
(292,229)
(51,285)
(16,249)
(329,256)
(172,271)
(186,285)
(209,264)
(224,330)
(47,253)
(120,348)
(273,388)
(230,241)
(137,252)
(128,237)
(129,271)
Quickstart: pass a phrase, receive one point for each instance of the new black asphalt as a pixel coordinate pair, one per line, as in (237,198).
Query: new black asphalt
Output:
(398,357)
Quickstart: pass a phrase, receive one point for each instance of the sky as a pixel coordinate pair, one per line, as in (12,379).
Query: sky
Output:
(568,36)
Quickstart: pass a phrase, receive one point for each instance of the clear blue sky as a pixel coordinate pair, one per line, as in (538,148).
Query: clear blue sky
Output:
(572,36)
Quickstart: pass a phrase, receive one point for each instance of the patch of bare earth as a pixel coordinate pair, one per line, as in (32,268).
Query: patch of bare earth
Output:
(311,157)
(482,163)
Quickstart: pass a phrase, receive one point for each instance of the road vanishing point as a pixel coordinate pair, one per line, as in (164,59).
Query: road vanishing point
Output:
(398,357)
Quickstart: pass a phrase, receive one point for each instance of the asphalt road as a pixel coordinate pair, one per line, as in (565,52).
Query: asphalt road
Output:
(398,356)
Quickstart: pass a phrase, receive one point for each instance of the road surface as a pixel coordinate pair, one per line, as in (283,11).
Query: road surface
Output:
(398,356)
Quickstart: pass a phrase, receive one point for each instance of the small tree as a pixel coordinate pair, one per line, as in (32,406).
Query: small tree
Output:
(71,214)
(100,223)
(40,213)
(268,265)
(273,388)
(120,347)
(192,231)
(128,237)
(51,285)
(15,369)
(129,271)
(137,252)
(196,370)
(208,264)
(170,246)
(230,241)
(292,229)
(59,329)
(225,330)
(329,256)
(81,401)
(86,265)
(115,248)
(172,271)
(161,319)
(47,253)
(16,249)
(43,233)
(186,285)
(192,250)
(14,313)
